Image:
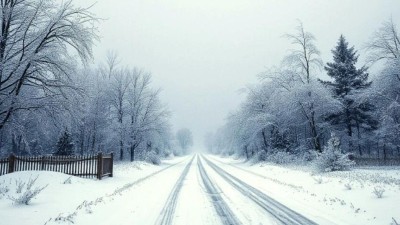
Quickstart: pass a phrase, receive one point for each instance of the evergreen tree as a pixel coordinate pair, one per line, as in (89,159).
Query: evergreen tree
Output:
(332,159)
(348,83)
(64,144)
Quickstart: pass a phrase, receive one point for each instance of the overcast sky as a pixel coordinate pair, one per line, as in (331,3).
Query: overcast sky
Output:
(202,52)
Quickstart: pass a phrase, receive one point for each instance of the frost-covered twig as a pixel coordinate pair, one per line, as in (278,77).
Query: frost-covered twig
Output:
(31,182)
(68,180)
(28,194)
(19,186)
(378,191)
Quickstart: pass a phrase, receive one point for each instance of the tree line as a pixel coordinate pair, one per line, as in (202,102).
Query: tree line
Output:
(53,101)
(296,105)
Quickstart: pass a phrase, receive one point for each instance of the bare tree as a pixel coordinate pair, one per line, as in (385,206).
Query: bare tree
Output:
(384,46)
(305,57)
(303,60)
(385,43)
(118,94)
(36,60)
(148,117)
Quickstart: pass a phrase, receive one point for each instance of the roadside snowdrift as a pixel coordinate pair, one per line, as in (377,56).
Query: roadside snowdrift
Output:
(65,193)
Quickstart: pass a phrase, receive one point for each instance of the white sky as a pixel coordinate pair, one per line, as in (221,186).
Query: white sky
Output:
(202,52)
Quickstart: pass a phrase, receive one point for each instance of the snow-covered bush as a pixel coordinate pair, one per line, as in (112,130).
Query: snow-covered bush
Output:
(152,157)
(280,157)
(167,153)
(332,159)
(3,189)
(378,191)
(27,193)
(258,157)
(305,155)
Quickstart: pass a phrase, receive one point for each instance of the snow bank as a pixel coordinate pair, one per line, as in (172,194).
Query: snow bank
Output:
(61,196)
(346,197)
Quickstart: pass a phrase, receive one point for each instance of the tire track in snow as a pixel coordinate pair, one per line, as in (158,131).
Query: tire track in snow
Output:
(140,180)
(70,216)
(282,213)
(296,187)
(166,215)
(223,210)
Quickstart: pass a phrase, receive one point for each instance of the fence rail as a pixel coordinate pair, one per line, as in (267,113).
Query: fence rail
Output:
(84,166)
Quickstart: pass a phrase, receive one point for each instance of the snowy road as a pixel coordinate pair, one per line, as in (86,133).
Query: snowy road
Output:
(199,190)
(205,189)
(281,213)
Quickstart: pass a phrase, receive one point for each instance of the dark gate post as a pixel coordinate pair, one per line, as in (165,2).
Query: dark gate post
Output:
(112,164)
(11,163)
(100,165)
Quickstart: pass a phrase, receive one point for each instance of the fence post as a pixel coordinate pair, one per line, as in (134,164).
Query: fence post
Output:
(100,165)
(11,163)
(42,167)
(112,164)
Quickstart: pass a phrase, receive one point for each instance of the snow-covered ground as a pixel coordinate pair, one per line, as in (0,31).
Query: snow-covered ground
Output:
(207,190)
(59,198)
(344,197)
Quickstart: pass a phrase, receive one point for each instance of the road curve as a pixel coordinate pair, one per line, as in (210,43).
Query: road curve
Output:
(282,213)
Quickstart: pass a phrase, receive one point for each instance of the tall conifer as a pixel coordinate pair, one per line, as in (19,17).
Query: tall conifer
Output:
(347,83)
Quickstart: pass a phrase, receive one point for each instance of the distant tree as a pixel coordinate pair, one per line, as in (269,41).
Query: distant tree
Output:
(348,85)
(185,139)
(209,141)
(64,144)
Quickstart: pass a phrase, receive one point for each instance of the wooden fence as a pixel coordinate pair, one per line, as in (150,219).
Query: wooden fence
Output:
(83,166)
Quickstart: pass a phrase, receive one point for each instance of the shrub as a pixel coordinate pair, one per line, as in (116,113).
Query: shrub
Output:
(4,189)
(28,194)
(281,157)
(258,157)
(331,159)
(153,158)
(378,191)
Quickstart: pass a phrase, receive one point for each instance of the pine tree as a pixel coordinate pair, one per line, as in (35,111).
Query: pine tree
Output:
(64,144)
(348,82)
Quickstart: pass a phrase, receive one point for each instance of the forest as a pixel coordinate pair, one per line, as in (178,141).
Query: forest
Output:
(299,104)
(54,100)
